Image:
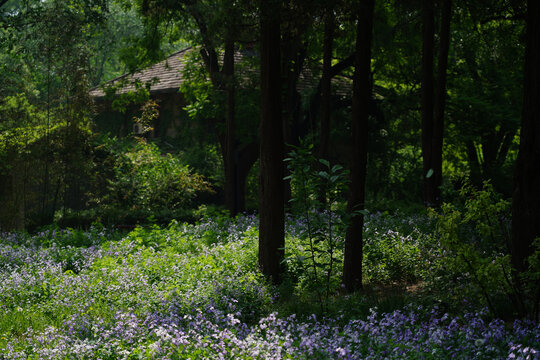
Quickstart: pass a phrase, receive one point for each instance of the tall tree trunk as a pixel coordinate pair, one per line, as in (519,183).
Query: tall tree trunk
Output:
(271,199)
(292,61)
(326,96)
(247,156)
(428,40)
(312,112)
(433,104)
(475,164)
(526,196)
(352,265)
(231,156)
(440,101)
(7,200)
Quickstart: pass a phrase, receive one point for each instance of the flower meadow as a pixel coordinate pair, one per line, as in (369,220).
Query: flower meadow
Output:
(195,292)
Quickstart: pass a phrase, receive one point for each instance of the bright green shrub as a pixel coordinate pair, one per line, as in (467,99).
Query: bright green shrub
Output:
(475,249)
(147,179)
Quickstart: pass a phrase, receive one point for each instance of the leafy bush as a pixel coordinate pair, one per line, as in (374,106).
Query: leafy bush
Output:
(147,179)
(474,264)
(133,182)
(110,215)
(397,248)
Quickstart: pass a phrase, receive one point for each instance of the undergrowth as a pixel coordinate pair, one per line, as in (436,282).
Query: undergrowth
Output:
(195,291)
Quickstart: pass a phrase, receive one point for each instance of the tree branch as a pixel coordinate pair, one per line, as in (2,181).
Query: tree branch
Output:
(342,65)
(514,17)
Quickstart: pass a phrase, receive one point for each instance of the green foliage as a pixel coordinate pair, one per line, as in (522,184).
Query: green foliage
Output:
(120,25)
(144,178)
(17,111)
(316,193)
(485,95)
(396,249)
(529,283)
(166,269)
(122,217)
(150,112)
(121,101)
(205,101)
(96,294)
(45,108)
(475,244)
(205,159)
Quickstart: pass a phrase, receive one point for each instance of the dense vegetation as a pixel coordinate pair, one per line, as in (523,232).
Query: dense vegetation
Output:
(335,179)
(194,291)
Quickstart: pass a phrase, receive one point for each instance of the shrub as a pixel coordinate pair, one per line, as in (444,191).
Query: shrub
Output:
(149,180)
(475,260)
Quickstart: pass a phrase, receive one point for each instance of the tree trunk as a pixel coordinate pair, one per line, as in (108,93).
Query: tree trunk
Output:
(326,96)
(271,199)
(247,156)
(292,57)
(526,196)
(440,102)
(352,265)
(428,34)
(225,82)
(231,156)
(6,199)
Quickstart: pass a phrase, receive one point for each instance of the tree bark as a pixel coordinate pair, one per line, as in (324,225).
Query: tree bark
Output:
(328,44)
(223,80)
(247,156)
(433,104)
(352,265)
(293,56)
(313,109)
(428,41)
(271,199)
(526,195)
(231,155)
(440,102)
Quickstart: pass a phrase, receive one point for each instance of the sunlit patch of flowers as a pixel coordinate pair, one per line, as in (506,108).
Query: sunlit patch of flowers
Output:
(194,291)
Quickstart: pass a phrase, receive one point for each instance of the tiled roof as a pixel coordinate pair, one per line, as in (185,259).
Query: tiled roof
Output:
(166,75)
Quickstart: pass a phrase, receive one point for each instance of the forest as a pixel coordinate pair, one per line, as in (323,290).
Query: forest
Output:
(272,179)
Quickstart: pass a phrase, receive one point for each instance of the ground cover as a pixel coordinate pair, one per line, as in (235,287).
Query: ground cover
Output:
(194,291)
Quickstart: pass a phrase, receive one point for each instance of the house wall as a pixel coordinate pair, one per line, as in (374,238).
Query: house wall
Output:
(120,124)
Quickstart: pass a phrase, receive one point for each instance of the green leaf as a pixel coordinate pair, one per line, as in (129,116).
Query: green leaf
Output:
(325,162)
(363,212)
(429,173)
(323,174)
